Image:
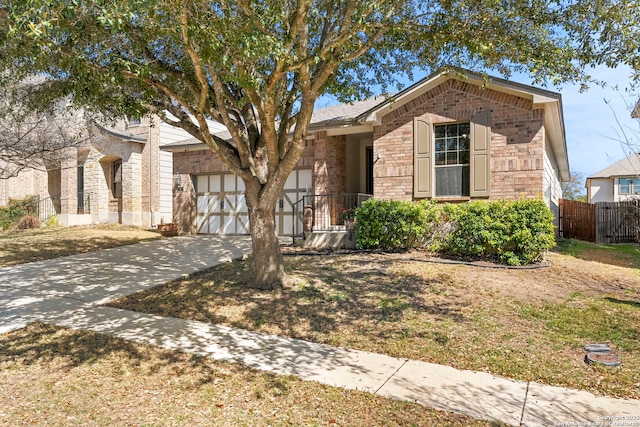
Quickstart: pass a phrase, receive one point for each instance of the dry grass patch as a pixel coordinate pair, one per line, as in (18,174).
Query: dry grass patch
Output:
(22,246)
(526,324)
(57,377)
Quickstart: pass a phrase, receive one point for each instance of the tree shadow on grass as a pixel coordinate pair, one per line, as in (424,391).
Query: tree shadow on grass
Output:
(326,298)
(23,250)
(66,349)
(630,303)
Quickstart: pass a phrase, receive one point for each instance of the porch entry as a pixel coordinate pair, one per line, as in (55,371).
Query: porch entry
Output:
(221,207)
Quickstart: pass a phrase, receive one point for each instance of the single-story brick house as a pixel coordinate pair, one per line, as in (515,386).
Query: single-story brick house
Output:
(450,137)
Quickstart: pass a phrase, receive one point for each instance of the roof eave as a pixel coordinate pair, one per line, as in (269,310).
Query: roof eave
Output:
(636,111)
(554,127)
(179,148)
(122,136)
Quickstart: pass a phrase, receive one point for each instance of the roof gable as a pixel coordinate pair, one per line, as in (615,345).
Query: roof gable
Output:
(539,97)
(628,166)
(636,111)
(550,102)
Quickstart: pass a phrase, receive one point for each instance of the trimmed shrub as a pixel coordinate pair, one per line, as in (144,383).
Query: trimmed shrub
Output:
(16,209)
(513,233)
(393,225)
(508,232)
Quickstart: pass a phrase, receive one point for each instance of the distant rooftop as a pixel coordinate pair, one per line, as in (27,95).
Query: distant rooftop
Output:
(629,166)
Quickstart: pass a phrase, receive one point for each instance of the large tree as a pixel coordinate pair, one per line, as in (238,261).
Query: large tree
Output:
(258,66)
(574,189)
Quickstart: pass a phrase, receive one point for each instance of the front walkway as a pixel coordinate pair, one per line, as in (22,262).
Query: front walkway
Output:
(68,292)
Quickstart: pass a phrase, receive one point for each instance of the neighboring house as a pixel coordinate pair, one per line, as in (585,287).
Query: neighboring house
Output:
(119,175)
(449,137)
(617,182)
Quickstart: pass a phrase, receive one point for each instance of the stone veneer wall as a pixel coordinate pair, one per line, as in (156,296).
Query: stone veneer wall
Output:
(97,181)
(517,140)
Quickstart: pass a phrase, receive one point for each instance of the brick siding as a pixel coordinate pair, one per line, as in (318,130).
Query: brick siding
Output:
(517,139)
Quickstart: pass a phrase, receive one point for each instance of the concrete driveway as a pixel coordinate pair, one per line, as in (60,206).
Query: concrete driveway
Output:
(40,290)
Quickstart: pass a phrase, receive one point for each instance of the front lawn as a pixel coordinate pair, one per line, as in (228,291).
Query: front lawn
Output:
(22,246)
(57,377)
(526,324)
(622,254)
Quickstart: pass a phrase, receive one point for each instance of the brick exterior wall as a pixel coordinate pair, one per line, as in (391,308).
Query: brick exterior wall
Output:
(27,183)
(329,163)
(188,164)
(517,139)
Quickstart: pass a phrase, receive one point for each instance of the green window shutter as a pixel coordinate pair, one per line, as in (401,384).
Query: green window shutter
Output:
(480,169)
(422,147)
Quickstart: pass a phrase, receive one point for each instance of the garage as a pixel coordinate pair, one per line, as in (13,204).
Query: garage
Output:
(222,209)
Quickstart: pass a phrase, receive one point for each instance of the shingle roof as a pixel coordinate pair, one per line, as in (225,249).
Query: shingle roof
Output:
(629,166)
(326,116)
(192,142)
(344,112)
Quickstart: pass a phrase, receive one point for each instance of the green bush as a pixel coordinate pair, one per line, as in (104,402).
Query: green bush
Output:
(16,209)
(392,225)
(513,233)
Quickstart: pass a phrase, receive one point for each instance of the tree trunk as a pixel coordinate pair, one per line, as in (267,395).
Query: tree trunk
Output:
(267,258)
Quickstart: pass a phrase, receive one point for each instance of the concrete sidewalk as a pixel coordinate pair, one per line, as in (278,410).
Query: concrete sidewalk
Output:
(69,295)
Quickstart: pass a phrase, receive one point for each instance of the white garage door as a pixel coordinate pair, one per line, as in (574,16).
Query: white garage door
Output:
(222,209)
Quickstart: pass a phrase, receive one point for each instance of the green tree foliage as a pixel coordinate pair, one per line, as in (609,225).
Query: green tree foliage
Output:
(574,189)
(259,66)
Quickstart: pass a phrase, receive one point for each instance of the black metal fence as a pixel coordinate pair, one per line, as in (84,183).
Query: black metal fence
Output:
(46,208)
(84,203)
(42,207)
(325,212)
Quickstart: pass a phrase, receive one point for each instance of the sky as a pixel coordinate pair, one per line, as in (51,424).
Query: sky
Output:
(594,138)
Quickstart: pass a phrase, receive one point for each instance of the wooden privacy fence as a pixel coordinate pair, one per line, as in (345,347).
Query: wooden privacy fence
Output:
(602,222)
(577,220)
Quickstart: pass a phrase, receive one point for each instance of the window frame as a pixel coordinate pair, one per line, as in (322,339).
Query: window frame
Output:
(479,155)
(633,186)
(446,153)
(116,179)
